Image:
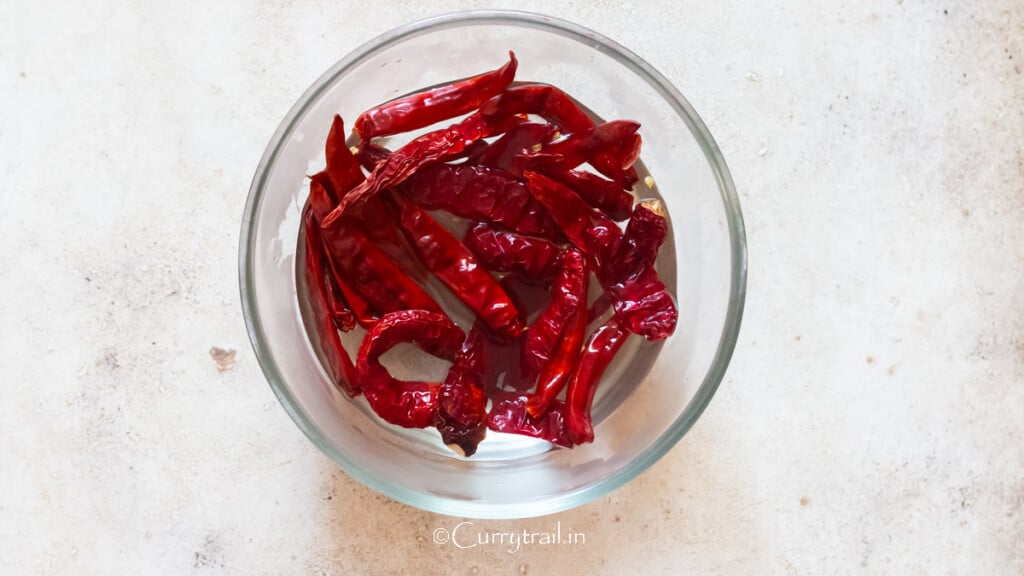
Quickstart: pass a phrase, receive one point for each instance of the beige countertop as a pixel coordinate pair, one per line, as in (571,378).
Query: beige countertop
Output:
(871,419)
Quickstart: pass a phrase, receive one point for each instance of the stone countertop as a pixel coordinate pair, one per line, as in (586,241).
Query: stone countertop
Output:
(870,421)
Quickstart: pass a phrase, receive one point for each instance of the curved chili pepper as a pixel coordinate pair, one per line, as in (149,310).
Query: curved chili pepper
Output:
(605,195)
(454,265)
(558,108)
(508,414)
(604,343)
(462,403)
(379,280)
(519,140)
(408,404)
(647,230)
(480,193)
(568,291)
(581,147)
(556,372)
(442,103)
(339,365)
(422,151)
(533,260)
(637,294)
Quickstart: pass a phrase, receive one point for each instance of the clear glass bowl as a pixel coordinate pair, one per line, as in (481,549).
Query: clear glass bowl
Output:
(649,397)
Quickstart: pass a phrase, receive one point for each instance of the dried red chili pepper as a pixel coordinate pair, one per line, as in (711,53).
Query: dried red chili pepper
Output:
(339,365)
(379,280)
(522,139)
(422,151)
(483,194)
(342,167)
(508,414)
(558,108)
(637,294)
(555,374)
(610,137)
(342,314)
(462,403)
(454,265)
(533,260)
(647,230)
(430,106)
(601,348)
(568,291)
(408,404)
(605,195)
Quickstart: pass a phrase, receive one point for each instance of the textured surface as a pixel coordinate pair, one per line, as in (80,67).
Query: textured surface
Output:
(870,422)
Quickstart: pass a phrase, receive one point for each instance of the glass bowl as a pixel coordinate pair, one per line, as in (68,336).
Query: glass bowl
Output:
(649,397)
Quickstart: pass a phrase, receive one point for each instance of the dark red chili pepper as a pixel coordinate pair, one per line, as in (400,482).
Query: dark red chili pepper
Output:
(369,270)
(604,343)
(533,260)
(647,230)
(523,139)
(581,147)
(423,151)
(455,265)
(605,195)
(555,374)
(462,403)
(558,108)
(343,316)
(483,194)
(637,294)
(568,291)
(339,365)
(409,404)
(342,167)
(442,103)
(508,414)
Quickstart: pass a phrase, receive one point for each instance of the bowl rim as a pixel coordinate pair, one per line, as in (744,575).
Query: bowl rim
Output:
(737,289)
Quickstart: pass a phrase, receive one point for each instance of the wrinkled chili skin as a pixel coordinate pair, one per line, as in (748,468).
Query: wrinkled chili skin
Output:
(462,402)
(605,195)
(558,108)
(422,151)
(339,366)
(522,139)
(592,232)
(435,105)
(480,193)
(342,314)
(375,276)
(342,167)
(533,260)
(600,350)
(407,404)
(644,306)
(555,374)
(508,414)
(568,291)
(453,264)
(646,232)
(582,147)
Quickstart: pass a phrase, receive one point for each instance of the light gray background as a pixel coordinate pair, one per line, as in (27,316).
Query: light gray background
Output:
(871,421)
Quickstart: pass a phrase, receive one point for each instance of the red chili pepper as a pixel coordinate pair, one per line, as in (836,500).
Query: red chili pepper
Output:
(638,295)
(508,414)
(533,260)
(605,195)
(369,270)
(556,372)
(423,151)
(604,343)
(342,167)
(434,105)
(462,403)
(454,265)
(558,108)
(339,365)
(342,314)
(647,230)
(568,291)
(581,147)
(522,139)
(408,404)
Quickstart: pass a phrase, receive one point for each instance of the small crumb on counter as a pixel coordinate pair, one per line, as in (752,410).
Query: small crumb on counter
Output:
(225,359)
(804,500)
